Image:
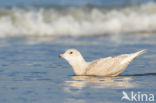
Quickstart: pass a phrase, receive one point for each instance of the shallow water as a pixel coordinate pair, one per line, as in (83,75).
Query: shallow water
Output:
(31,72)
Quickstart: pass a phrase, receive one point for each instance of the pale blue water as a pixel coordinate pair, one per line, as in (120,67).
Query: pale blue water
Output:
(31,72)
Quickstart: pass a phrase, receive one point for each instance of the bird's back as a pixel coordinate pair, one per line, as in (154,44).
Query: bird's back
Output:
(111,66)
(105,66)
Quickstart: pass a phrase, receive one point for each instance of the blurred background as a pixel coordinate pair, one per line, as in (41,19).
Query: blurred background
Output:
(76,18)
(34,32)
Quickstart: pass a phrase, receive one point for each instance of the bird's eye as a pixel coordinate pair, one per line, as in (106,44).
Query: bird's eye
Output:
(71,52)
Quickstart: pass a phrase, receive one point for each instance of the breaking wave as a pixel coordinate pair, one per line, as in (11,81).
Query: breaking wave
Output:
(76,21)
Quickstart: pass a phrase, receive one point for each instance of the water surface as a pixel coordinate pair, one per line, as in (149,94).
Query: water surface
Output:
(31,72)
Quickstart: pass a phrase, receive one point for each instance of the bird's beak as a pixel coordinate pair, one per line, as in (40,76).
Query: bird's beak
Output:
(60,56)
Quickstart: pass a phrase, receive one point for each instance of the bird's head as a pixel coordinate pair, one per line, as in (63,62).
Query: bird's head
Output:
(72,56)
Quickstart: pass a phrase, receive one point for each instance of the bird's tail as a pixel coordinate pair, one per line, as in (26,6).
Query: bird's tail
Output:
(133,56)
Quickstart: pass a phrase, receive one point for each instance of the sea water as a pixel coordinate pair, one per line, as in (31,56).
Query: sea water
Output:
(33,34)
(31,72)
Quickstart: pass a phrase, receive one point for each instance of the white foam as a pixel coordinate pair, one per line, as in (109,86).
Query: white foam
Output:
(77,21)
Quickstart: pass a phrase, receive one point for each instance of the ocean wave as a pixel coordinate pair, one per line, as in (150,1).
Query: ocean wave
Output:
(77,21)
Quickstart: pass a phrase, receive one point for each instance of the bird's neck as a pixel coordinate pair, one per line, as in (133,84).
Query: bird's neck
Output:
(79,67)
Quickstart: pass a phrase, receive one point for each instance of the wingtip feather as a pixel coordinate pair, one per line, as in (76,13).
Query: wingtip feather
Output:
(142,51)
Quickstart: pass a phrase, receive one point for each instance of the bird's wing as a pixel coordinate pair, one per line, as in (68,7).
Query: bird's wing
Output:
(106,66)
(111,66)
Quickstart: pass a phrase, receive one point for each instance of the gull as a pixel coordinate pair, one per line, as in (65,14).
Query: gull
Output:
(109,66)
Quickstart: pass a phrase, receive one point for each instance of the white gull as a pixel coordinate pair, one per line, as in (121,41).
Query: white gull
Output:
(109,66)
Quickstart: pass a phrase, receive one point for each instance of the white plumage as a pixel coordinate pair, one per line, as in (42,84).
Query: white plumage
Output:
(109,66)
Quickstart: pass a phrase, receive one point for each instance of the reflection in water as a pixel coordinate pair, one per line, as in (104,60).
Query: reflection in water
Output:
(72,100)
(76,85)
(80,82)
